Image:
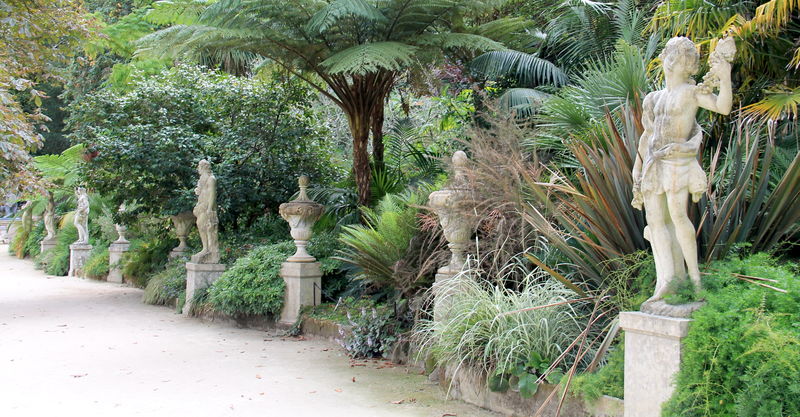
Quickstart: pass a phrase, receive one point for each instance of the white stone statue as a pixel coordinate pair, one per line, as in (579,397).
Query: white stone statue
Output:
(50,217)
(81,220)
(667,170)
(206,213)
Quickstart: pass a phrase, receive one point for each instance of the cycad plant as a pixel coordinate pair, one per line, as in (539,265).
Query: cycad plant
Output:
(351,51)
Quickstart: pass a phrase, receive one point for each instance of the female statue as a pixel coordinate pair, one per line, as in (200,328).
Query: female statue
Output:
(206,213)
(50,217)
(81,220)
(667,170)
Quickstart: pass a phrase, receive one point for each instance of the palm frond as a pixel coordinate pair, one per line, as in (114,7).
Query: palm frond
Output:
(467,41)
(778,104)
(529,69)
(522,101)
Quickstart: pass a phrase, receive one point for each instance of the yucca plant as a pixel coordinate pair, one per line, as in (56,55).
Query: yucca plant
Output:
(351,51)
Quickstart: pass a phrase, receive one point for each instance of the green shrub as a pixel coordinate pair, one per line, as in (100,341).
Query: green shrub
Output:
(168,285)
(483,325)
(252,286)
(96,265)
(742,354)
(608,380)
(145,257)
(58,257)
(17,245)
(32,245)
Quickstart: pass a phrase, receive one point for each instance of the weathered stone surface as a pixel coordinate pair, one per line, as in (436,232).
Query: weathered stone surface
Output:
(47,244)
(652,358)
(667,170)
(81,219)
(303,288)
(206,213)
(183,223)
(198,276)
(78,253)
(115,252)
(451,206)
(301,214)
(50,218)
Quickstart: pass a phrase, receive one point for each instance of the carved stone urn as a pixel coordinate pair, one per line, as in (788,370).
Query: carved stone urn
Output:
(121,231)
(183,223)
(301,214)
(452,205)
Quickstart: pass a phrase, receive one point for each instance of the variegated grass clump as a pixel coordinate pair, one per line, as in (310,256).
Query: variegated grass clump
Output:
(490,327)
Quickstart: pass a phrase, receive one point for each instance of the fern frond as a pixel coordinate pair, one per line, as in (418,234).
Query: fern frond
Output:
(339,9)
(467,41)
(373,57)
(172,12)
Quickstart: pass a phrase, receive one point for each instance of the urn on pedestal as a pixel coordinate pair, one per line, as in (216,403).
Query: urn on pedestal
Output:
(452,205)
(301,214)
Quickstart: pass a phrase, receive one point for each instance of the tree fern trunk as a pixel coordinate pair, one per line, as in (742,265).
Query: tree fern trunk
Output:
(359,128)
(377,135)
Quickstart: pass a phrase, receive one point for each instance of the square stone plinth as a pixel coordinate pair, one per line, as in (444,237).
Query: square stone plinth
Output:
(115,252)
(199,276)
(652,358)
(46,245)
(77,258)
(303,288)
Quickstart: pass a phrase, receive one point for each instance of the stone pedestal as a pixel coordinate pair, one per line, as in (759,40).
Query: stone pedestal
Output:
(199,276)
(78,253)
(303,288)
(46,245)
(652,358)
(115,252)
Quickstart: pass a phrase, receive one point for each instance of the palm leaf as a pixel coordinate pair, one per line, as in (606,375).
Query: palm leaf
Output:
(468,41)
(523,101)
(778,104)
(528,69)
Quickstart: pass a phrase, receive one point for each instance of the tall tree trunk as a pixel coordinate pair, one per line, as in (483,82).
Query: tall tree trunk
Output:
(376,125)
(359,128)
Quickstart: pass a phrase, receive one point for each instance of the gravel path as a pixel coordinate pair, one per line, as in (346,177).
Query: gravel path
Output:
(73,347)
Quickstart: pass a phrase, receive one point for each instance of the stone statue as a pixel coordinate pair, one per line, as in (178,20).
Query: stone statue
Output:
(81,220)
(206,213)
(667,170)
(50,217)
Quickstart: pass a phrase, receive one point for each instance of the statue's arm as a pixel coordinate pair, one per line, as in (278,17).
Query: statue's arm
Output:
(644,140)
(721,102)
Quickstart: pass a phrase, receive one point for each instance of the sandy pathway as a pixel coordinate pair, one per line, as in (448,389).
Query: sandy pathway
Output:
(72,347)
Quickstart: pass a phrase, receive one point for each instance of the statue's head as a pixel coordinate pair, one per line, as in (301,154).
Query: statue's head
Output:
(680,54)
(204,167)
(79,191)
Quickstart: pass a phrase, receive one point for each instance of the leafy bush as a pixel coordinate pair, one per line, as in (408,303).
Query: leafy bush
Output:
(608,380)
(372,333)
(168,285)
(252,286)
(96,265)
(486,326)
(742,354)
(32,247)
(145,257)
(57,259)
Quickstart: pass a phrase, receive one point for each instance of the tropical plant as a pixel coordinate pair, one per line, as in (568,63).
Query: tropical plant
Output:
(167,285)
(372,333)
(350,51)
(96,265)
(375,248)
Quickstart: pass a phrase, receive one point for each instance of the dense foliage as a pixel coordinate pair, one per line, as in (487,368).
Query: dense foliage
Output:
(742,354)
(258,135)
